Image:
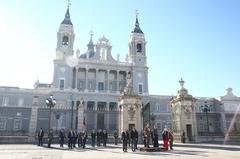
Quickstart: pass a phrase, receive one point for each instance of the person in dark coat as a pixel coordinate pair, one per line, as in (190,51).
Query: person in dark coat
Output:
(74,140)
(183,137)
(61,138)
(79,136)
(171,138)
(136,139)
(128,137)
(101,136)
(155,138)
(115,137)
(93,136)
(50,138)
(70,139)
(98,138)
(40,137)
(133,136)
(105,137)
(84,138)
(124,140)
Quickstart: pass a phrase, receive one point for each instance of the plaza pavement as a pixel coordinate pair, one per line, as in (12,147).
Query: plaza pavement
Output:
(186,151)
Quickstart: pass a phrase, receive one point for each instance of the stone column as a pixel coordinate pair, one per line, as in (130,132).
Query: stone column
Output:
(96,90)
(76,81)
(108,88)
(95,115)
(80,125)
(33,120)
(107,116)
(118,81)
(86,80)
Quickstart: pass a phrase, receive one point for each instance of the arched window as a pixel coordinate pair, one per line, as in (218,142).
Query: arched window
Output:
(139,47)
(65,40)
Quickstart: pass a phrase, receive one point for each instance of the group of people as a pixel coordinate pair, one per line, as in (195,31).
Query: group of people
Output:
(167,137)
(79,138)
(130,137)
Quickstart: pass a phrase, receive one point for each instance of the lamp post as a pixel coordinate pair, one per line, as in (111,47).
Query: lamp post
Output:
(50,102)
(206,108)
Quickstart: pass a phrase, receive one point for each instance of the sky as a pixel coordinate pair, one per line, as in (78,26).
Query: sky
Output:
(197,40)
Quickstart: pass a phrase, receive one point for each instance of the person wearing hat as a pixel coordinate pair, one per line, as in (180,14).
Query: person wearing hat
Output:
(165,137)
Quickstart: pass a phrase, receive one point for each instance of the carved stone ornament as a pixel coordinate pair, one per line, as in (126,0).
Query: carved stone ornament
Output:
(131,112)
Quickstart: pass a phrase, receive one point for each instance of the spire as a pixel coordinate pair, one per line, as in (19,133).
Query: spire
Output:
(137,28)
(90,44)
(67,19)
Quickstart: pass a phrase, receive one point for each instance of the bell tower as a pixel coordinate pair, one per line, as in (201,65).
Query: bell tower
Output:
(137,45)
(138,60)
(63,63)
(65,37)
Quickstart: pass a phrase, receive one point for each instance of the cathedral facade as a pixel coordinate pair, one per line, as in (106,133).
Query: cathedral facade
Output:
(87,87)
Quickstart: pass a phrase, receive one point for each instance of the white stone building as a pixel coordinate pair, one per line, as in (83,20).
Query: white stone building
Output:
(87,86)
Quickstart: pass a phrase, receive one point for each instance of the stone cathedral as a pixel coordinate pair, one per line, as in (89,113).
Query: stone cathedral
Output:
(94,90)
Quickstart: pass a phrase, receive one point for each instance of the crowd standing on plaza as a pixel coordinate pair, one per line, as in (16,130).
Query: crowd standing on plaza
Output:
(129,138)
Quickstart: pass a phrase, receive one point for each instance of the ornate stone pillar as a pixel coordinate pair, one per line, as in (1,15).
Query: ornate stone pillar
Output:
(80,126)
(33,119)
(184,115)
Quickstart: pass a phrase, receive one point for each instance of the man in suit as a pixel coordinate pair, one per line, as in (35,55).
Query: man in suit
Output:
(40,137)
(61,137)
(124,140)
(93,136)
(50,138)
(70,139)
(84,138)
(105,137)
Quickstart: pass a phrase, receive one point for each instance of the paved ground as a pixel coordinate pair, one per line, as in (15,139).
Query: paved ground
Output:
(186,151)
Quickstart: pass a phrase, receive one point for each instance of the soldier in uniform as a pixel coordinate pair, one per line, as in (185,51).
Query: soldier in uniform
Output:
(124,140)
(93,135)
(40,137)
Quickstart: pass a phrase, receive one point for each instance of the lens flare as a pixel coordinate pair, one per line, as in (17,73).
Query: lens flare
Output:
(231,124)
